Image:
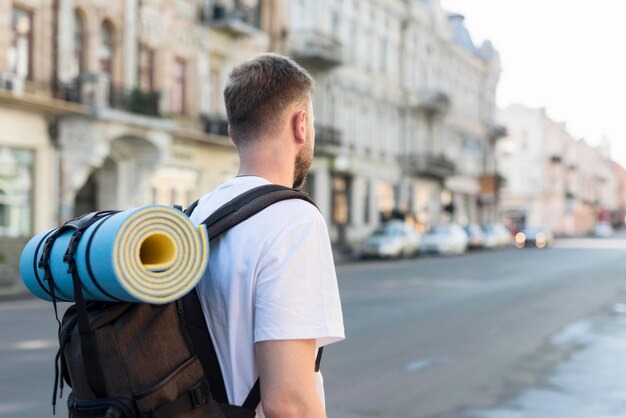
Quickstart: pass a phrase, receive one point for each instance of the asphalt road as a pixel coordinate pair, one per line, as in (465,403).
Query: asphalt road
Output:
(426,337)
(433,336)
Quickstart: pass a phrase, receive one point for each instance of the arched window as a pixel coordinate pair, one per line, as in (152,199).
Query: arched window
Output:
(107,47)
(80,42)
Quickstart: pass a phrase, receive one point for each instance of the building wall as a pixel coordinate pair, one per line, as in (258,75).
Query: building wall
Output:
(394,55)
(551,178)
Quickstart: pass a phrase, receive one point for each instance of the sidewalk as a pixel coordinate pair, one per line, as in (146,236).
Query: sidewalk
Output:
(15,291)
(591,383)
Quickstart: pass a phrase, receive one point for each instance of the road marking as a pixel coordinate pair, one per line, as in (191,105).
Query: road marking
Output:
(590,244)
(30,345)
(423,363)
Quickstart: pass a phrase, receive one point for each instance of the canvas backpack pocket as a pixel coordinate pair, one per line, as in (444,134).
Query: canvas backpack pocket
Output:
(185,392)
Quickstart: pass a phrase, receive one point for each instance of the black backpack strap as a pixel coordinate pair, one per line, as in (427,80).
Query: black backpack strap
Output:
(248,204)
(227,216)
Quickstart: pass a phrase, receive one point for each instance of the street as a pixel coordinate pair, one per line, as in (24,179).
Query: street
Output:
(426,337)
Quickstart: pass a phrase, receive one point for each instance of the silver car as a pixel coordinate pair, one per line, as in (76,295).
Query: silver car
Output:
(447,239)
(392,240)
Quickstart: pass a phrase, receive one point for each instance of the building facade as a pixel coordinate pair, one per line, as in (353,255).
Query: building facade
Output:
(551,178)
(114,104)
(405,113)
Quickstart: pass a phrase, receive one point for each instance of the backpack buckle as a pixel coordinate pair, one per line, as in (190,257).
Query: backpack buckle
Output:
(198,393)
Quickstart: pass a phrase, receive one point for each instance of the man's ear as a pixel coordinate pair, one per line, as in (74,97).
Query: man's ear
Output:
(299,126)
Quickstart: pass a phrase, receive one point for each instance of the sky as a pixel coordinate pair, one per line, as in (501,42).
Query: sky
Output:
(568,56)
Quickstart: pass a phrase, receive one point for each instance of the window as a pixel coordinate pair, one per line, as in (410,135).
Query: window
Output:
(383,55)
(340,200)
(215,82)
(146,69)
(16,167)
(20,52)
(336,21)
(353,42)
(107,47)
(178,90)
(78,57)
(367,54)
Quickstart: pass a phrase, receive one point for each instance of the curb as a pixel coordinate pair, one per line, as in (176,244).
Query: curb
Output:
(15,292)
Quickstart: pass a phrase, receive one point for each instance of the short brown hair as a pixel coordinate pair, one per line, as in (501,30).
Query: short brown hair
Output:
(260,90)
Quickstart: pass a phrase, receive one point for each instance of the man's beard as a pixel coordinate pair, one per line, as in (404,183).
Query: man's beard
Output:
(303,163)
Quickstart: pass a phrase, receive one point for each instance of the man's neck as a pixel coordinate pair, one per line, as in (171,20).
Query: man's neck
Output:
(271,167)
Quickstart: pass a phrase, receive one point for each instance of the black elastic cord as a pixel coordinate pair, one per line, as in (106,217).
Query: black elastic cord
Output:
(36,266)
(44,263)
(88,345)
(88,262)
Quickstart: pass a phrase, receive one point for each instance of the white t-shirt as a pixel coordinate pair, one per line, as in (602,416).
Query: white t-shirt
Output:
(271,277)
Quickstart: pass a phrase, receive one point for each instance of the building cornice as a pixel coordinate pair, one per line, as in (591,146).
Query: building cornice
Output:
(193,135)
(41,104)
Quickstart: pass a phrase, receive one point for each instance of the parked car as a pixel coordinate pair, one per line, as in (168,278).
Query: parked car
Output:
(448,239)
(603,230)
(497,236)
(475,236)
(539,237)
(393,239)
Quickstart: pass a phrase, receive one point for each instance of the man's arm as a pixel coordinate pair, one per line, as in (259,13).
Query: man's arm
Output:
(287,373)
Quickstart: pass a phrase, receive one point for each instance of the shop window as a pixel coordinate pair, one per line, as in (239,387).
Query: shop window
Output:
(15,192)
(20,53)
(341,200)
(386,198)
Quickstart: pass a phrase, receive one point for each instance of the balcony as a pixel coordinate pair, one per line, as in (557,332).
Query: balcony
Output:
(433,102)
(327,136)
(134,101)
(95,90)
(215,125)
(316,49)
(70,92)
(436,167)
(496,132)
(236,17)
(12,82)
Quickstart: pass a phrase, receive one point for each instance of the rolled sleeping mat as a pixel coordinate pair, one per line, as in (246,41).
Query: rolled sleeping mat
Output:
(150,254)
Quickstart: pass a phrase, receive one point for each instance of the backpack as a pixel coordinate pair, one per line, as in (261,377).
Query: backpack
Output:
(139,360)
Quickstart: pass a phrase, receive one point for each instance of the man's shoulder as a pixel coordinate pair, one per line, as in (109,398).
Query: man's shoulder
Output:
(292,213)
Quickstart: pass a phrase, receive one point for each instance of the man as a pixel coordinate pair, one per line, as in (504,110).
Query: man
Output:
(270,294)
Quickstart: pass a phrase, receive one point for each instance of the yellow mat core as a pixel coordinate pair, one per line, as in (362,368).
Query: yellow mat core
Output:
(157,252)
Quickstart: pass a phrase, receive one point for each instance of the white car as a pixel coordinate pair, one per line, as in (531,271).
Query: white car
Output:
(393,239)
(497,236)
(448,239)
(603,230)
